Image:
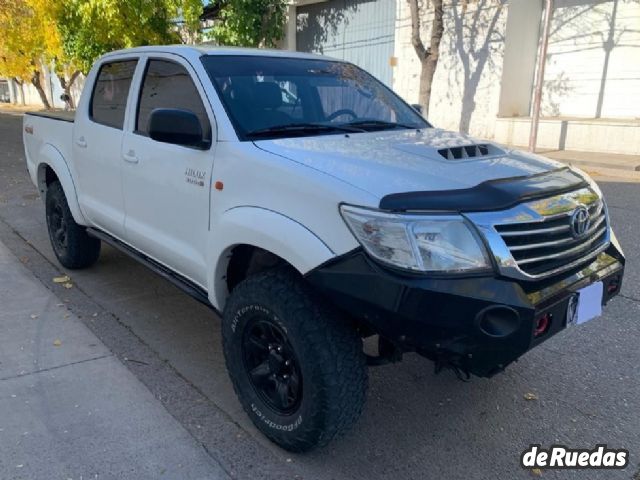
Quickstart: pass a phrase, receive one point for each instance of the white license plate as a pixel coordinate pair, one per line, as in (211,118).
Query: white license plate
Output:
(585,304)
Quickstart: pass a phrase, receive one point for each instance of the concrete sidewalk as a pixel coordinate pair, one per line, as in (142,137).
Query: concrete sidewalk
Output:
(591,159)
(69,408)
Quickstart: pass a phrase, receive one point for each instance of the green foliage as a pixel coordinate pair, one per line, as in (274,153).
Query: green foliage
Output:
(90,28)
(255,23)
(191,11)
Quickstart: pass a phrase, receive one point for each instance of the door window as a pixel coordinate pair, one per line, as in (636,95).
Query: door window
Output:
(168,85)
(110,92)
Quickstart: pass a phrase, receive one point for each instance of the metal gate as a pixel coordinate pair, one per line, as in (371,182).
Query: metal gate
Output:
(360,31)
(5,97)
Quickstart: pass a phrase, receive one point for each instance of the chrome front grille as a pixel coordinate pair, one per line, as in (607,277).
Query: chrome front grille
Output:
(543,246)
(538,239)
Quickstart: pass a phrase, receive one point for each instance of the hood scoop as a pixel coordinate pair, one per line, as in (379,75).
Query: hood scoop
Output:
(469,151)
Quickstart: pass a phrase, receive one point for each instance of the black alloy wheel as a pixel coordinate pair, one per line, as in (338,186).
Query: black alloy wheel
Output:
(272,365)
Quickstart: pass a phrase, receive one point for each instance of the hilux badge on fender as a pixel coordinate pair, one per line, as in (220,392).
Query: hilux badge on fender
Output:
(580,222)
(195,177)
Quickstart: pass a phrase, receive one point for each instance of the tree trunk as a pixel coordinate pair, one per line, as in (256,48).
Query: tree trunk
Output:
(35,80)
(428,56)
(66,87)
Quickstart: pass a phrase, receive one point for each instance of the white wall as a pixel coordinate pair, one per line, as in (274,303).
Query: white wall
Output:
(484,76)
(52,89)
(593,68)
(466,93)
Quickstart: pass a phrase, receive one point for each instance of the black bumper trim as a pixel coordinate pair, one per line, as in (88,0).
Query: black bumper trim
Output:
(438,317)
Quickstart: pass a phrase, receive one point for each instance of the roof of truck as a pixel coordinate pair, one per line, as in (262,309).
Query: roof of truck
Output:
(195,51)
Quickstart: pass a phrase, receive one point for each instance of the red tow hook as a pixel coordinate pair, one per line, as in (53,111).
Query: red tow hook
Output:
(542,325)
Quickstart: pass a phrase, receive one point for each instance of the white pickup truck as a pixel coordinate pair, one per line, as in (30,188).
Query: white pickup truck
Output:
(312,207)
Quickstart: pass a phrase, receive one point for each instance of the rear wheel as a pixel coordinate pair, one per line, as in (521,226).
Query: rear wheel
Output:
(73,247)
(296,366)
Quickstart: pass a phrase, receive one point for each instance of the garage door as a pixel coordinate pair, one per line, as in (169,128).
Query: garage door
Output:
(360,31)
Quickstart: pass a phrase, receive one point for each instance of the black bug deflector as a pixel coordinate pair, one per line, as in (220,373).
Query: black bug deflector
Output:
(487,196)
(478,324)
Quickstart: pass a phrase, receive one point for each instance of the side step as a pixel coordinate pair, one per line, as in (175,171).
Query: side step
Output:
(178,280)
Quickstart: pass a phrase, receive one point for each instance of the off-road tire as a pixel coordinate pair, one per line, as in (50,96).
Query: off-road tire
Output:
(73,247)
(326,347)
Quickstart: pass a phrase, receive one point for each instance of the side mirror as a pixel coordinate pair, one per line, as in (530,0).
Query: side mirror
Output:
(179,127)
(417,107)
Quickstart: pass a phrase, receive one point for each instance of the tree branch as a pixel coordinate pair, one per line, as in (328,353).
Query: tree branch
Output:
(416,41)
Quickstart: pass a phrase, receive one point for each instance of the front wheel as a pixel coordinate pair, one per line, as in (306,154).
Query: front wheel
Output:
(74,248)
(296,366)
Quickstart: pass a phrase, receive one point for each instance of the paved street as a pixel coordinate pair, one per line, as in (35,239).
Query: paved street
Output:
(416,425)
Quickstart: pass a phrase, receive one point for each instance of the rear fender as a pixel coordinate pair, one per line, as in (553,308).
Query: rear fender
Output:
(50,157)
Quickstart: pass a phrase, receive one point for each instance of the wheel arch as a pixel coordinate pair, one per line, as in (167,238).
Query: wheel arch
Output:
(53,167)
(251,239)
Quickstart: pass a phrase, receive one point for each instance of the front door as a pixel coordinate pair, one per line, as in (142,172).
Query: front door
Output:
(167,187)
(97,139)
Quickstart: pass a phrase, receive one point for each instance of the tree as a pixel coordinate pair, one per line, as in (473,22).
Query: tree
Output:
(69,36)
(428,55)
(30,41)
(90,28)
(191,12)
(258,23)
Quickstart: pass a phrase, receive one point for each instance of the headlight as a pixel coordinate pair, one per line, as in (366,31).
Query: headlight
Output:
(425,243)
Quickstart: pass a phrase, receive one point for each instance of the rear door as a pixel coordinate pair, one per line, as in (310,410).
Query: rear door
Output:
(97,139)
(167,187)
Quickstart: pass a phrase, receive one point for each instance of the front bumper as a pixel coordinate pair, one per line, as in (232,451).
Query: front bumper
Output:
(478,324)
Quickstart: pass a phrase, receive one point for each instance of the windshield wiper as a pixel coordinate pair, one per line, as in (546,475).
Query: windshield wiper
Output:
(377,124)
(302,128)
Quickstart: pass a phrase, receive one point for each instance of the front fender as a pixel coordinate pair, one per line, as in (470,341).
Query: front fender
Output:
(51,157)
(265,229)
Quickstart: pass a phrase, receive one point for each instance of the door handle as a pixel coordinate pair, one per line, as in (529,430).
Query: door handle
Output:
(130,157)
(81,142)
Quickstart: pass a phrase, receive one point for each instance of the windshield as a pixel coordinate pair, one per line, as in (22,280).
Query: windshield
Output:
(273,97)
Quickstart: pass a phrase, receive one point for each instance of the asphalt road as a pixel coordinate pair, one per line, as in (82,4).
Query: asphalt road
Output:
(416,424)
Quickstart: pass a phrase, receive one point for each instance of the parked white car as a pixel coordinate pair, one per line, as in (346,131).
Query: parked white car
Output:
(312,207)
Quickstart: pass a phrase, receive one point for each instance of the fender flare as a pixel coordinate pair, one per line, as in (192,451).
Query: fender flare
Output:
(50,157)
(266,229)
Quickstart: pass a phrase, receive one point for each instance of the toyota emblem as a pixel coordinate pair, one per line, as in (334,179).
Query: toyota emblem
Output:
(580,222)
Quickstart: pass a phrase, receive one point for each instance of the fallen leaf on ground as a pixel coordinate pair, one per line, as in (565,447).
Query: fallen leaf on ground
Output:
(536,471)
(68,285)
(530,396)
(57,342)
(62,279)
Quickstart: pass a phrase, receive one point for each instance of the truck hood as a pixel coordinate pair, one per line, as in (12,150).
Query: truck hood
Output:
(383,163)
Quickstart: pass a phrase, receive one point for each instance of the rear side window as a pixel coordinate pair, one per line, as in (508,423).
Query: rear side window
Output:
(110,92)
(168,85)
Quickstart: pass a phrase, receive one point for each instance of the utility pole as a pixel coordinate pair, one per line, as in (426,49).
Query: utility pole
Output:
(542,60)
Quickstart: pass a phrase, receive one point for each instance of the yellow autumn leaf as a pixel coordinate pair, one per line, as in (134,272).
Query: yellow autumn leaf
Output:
(62,279)
(530,396)
(57,342)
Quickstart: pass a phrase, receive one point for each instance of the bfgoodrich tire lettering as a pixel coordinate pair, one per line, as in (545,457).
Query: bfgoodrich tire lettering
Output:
(319,346)
(73,247)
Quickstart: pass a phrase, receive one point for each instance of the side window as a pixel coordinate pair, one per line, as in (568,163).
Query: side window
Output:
(167,84)
(110,92)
